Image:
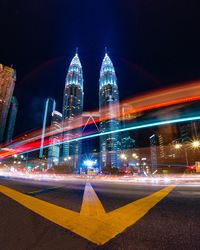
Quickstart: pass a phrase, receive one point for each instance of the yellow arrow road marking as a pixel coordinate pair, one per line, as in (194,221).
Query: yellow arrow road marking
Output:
(91,205)
(98,228)
(132,212)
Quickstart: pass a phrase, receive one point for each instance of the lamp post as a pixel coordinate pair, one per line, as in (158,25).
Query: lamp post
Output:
(123,158)
(138,164)
(179,146)
(194,144)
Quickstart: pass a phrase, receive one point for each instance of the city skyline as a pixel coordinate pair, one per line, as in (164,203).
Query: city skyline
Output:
(109,146)
(100,130)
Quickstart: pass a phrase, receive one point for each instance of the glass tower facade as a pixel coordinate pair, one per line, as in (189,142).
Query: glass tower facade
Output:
(55,139)
(11,119)
(72,110)
(153,149)
(108,107)
(50,106)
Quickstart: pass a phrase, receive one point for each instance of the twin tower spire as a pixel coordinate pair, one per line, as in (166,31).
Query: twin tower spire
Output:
(73,107)
(75,73)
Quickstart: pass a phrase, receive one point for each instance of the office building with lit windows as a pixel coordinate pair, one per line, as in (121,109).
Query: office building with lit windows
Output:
(12,114)
(49,108)
(55,139)
(7,83)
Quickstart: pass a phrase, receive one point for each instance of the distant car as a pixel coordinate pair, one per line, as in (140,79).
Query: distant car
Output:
(192,168)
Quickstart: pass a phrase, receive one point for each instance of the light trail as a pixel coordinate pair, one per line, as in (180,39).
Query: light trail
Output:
(77,123)
(170,179)
(134,128)
(161,98)
(119,115)
(185,93)
(142,126)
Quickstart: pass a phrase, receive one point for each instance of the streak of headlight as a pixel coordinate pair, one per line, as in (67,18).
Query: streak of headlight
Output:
(154,124)
(77,123)
(159,98)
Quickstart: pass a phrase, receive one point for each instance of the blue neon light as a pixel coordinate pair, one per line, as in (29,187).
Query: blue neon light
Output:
(154,124)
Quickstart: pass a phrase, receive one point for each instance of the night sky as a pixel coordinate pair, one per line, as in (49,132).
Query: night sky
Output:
(152,44)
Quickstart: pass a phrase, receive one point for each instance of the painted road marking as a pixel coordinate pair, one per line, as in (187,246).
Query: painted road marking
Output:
(95,228)
(91,205)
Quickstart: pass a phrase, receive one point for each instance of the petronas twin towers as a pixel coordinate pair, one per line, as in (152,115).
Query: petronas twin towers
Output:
(108,107)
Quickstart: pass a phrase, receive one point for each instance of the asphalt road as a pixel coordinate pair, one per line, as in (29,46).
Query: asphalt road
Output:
(173,223)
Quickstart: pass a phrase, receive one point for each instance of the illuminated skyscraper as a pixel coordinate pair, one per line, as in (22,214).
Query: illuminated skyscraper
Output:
(50,106)
(72,109)
(127,142)
(11,119)
(7,83)
(153,150)
(55,139)
(108,106)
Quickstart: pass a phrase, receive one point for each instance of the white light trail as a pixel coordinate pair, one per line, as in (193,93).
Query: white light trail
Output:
(154,124)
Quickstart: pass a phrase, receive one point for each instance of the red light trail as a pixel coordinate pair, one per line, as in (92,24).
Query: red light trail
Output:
(161,98)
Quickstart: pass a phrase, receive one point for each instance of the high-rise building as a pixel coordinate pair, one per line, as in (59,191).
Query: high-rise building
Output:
(153,149)
(127,142)
(11,119)
(72,110)
(188,131)
(50,106)
(108,107)
(7,83)
(166,134)
(55,139)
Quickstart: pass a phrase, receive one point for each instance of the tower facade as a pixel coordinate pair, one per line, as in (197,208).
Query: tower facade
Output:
(55,139)
(153,150)
(11,119)
(50,106)
(108,107)
(127,142)
(72,110)
(7,83)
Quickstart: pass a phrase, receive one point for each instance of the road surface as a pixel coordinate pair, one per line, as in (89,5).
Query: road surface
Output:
(97,215)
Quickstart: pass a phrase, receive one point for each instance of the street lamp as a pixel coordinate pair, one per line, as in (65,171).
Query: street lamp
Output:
(195,144)
(67,158)
(123,160)
(178,146)
(135,156)
(123,157)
